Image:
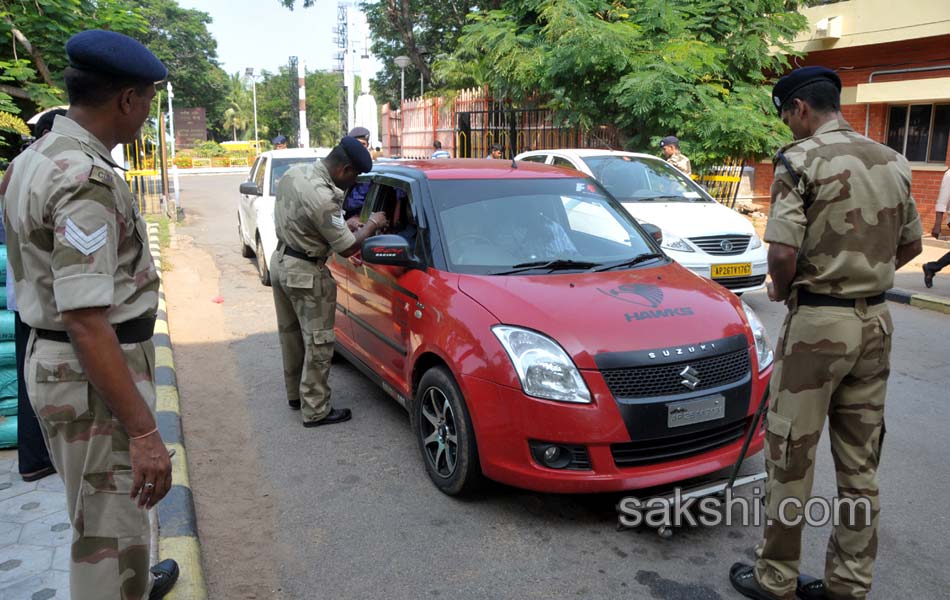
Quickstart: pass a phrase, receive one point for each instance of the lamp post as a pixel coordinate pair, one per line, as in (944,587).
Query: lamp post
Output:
(249,72)
(402,62)
(171,132)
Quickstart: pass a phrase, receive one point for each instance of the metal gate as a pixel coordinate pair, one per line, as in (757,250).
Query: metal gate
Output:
(722,182)
(146,175)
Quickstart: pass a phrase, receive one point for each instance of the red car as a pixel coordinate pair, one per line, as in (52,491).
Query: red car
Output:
(538,336)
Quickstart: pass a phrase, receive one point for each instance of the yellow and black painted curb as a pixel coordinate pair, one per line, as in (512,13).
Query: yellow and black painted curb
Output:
(926,301)
(177,524)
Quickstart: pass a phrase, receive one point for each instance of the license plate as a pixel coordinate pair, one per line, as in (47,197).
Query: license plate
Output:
(690,412)
(732,270)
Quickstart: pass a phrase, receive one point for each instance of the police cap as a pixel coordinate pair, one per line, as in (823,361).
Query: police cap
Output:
(359,132)
(670,140)
(358,154)
(115,54)
(280,139)
(799,78)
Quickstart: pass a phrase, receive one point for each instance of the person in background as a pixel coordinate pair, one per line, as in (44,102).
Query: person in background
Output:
(943,200)
(494,152)
(356,195)
(280,142)
(439,152)
(670,145)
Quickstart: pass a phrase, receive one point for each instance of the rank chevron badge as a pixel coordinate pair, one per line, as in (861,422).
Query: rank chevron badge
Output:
(85,243)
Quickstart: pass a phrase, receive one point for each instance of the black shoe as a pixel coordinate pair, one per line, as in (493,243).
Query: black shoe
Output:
(336,415)
(40,474)
(294,404)
(166,574)
(742,577)
(810,588)
(929,276)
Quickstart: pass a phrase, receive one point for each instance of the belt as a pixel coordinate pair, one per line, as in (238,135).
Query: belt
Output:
(288,251)
(130,332)
(806,298)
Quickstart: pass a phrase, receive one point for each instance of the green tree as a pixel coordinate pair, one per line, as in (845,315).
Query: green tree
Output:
(696,68)
(277,112)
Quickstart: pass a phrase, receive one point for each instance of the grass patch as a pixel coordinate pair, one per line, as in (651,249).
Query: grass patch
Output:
(164,237)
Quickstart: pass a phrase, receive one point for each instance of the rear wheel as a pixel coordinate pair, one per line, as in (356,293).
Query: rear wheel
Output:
(262,271)
(445,434)
(246,250)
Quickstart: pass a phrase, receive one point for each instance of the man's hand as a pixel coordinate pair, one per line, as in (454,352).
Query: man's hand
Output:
(151,470)
(380,219)
(353,223)
(936,230)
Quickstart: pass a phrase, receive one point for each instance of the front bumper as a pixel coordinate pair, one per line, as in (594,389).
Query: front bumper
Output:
(703,268)
(506,421)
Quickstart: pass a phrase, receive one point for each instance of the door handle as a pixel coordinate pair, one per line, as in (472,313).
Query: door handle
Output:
(361,298)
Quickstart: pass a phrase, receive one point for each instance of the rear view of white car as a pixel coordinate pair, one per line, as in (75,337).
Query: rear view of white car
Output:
(704,236)
(256,207)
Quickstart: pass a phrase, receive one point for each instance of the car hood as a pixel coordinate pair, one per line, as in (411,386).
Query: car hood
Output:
(691,219)
(616,311)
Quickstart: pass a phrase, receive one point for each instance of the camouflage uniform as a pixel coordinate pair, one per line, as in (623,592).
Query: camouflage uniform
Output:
(680,161)
(76,241)
(847,215)
(308,217)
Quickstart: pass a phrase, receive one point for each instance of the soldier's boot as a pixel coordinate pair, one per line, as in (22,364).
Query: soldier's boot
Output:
(929,276)
(810,588)
(166,575)
(742,578)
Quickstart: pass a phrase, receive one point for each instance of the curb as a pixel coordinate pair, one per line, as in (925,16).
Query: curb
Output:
(925,301)
(177,524)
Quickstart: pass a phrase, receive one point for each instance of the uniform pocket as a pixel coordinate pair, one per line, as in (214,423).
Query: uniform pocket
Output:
(61,391)
(323,336)
(298,280)
(778,431)
(107,509)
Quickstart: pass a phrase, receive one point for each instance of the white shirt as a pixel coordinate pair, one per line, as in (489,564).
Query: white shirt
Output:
(943,197)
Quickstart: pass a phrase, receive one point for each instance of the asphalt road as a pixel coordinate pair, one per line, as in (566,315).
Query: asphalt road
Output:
(356,516)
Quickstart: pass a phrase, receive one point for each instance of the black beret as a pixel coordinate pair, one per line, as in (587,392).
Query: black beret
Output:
(115,54)
(280,139)
(799,78)
(359,132)
(669,141)
(358,154)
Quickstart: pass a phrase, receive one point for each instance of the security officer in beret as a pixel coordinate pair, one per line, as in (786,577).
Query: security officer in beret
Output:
(280,142)
(842,220)
(361,134)
(356,195)
(310,226)
(86,284)
(670,145)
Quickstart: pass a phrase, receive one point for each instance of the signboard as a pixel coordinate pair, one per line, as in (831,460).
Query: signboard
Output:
(190,126)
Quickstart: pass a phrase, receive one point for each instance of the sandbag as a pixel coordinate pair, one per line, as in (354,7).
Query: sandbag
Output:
(8,407)
(8,383)
(8,355)
(7,432)
(7,326)
(3,296)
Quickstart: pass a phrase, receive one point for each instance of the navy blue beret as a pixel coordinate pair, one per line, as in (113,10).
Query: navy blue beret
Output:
(359,132)
(280,139)
(358,154)
(669,141)
(115,54)
(799,78)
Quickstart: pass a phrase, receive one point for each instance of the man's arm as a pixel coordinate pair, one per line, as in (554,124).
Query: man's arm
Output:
(376,221)
(906,252)
(938,223)
(102,360)
(783,261)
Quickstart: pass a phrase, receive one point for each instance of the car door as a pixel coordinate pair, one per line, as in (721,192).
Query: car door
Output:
(245,207)
(254,204)
(383,298)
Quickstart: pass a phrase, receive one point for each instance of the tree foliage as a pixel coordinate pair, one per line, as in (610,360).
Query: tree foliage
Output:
(694,68)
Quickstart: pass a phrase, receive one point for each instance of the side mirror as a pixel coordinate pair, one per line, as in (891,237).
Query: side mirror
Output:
(249,188)
(390,250)
(653,231)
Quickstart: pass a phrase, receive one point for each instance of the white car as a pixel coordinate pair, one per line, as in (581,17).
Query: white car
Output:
(256,208)
(704,236)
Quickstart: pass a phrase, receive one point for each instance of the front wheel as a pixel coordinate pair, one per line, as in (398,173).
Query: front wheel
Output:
(445,434)
(262,271)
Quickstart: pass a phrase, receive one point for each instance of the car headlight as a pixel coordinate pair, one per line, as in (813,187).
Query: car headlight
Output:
(544,368)
(763,348)
(674,242)
(755,243)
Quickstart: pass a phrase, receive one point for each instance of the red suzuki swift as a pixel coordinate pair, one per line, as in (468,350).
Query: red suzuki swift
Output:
(539,337)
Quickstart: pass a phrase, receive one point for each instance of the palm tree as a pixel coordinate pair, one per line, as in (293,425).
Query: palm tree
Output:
(238,114)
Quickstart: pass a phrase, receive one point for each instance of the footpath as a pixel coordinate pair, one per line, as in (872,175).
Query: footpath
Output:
(35,534)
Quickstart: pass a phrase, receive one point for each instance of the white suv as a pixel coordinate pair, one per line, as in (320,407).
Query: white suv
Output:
(704,236)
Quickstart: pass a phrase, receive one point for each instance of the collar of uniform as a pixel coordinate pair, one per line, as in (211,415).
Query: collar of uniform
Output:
(834,125)
(66,126)
(323,173)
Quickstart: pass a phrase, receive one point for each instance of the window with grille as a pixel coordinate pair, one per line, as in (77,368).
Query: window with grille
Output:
(919,131)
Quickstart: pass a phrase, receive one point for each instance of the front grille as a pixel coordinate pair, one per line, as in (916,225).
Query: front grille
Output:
(737,283)
(635,454)
(713,244)
(664,380)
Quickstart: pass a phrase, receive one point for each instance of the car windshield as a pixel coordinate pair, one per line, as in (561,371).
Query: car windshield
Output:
(535,226)
(281,165)
(634,179)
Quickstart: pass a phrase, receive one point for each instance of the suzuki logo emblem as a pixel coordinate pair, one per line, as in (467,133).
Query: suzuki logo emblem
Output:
(690,377)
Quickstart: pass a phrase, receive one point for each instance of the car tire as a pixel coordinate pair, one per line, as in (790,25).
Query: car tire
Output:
(246,250)
(262,271)
(445,434)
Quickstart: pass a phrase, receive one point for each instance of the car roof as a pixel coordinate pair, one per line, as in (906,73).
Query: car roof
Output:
(479,168)
(297,153)
(582,152)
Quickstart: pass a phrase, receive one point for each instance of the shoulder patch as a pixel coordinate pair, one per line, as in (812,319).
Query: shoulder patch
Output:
(103,176)
(83,242)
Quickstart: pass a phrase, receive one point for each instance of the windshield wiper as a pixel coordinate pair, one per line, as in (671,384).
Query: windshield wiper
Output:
(559,264)
(630,261)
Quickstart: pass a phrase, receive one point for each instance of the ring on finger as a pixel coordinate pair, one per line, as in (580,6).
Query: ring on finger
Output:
(149,486)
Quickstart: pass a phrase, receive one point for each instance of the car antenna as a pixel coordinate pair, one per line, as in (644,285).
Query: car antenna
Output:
(514,163)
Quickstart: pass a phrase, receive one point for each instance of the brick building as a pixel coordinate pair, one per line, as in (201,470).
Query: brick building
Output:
(894,64)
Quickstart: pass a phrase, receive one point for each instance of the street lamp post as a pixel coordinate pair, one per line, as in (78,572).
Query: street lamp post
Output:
(250,73)
(402,62)
(171,132)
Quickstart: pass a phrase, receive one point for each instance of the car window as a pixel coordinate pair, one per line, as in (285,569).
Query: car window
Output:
(279,166)
(396,202)
(537,158)
(259,175)
(489,226)
(634,179)
(562,162)
(253,173)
